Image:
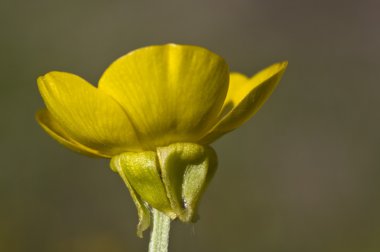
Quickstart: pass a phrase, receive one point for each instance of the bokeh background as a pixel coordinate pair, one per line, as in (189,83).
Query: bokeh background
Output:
(302,175)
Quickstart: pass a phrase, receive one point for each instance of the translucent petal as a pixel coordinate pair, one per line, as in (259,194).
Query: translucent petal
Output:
(87,115)
(46,121)
(244,98)
(172,93)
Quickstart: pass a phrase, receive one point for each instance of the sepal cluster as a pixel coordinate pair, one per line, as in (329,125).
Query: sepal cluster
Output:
(170,179)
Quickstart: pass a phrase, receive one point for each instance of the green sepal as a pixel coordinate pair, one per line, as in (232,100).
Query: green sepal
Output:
(171,180)
(142,208)
(142,171)
(186,169)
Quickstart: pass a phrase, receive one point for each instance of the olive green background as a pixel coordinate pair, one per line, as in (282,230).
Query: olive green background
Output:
(302,175)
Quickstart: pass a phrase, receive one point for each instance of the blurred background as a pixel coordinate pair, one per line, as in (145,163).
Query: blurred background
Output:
(302,175)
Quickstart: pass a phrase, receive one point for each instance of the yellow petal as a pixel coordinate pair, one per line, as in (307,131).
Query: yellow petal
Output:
(244,98)
(172,93)
(87,115)
(46,121)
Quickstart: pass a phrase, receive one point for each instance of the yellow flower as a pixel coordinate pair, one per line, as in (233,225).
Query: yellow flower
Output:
(154,110)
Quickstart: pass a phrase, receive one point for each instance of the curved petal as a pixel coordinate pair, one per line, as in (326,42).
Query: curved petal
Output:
(244,98)
(172,93)
(46,121)
(86,114)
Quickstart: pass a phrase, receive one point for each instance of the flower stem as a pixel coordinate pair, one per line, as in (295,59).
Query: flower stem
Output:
(159,238)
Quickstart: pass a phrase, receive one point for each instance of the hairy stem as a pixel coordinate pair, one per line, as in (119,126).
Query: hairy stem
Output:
(159,238)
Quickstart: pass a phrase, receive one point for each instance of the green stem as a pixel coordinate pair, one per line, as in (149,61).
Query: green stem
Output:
(159,238)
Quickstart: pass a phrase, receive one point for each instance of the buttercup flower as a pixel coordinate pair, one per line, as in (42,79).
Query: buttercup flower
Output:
(154,113)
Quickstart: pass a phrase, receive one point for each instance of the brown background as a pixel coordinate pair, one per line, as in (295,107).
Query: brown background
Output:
(303,175)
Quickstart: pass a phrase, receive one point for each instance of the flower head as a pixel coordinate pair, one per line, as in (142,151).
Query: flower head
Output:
(152,97)
(157,107)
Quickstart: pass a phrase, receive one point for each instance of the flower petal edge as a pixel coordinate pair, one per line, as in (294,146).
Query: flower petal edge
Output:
(244,98)
(87,115)
(51,127)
